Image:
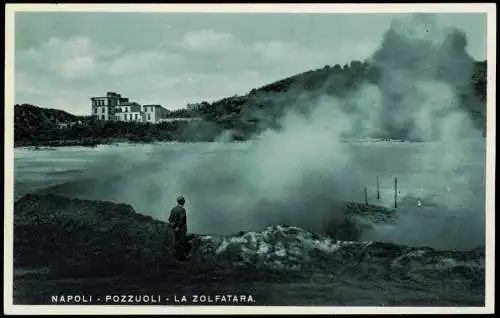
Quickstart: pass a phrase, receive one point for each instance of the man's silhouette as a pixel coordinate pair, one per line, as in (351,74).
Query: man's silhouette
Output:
(178,224)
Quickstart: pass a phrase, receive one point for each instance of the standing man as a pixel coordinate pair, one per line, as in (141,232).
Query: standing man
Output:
(178,224)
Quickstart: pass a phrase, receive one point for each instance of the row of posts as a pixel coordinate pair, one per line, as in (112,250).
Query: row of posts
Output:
(378,192)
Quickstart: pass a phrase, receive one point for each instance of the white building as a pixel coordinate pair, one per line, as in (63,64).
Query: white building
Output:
(117,108)
(129,111)
(154,113)
(104,108)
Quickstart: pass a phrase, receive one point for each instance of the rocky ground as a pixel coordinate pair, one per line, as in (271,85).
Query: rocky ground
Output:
(64,245)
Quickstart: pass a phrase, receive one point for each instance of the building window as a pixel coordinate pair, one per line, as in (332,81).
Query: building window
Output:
(95,110)
(149,116)
(102,117)
(136,116)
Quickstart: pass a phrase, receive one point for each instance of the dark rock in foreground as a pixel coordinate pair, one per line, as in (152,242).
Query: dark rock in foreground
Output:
(76,237)
(79,238)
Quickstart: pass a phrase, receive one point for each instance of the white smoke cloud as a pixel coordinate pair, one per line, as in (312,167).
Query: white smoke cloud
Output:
(292,175)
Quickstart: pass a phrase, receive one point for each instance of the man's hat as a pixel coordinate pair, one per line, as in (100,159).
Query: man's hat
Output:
(180,199)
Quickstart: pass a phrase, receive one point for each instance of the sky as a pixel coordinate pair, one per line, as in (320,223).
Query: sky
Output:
(64,58)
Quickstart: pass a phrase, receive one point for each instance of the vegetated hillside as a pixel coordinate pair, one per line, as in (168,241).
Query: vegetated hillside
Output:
(246,115)
(40,126)
(31,115)
(262,108)
(30,119)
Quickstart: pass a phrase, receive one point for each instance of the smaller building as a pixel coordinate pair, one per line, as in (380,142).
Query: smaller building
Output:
(129,111)
(154,113)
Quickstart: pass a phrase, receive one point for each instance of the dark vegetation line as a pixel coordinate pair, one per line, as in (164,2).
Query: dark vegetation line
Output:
(245,115)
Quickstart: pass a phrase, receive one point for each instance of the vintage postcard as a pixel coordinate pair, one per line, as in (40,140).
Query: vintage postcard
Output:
(249,158)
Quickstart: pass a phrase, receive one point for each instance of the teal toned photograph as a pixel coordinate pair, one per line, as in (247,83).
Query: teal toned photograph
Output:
(250,159)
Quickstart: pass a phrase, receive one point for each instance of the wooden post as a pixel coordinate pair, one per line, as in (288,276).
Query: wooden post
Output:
(378,188)
(366,196)
(395,192)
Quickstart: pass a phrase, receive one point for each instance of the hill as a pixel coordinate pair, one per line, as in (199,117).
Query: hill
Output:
(30,119)
(263,107)
(33,116)
(37,126)
(34,125)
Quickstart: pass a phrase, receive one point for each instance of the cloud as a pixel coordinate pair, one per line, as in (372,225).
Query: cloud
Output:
(276,51)
(71,58)
(144,62)
(350,50)
(175,91)
(24,83)
(77,67)
(45,92)
(218,65)
(293,57)
(64,73)
(207,40)
(171,90)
